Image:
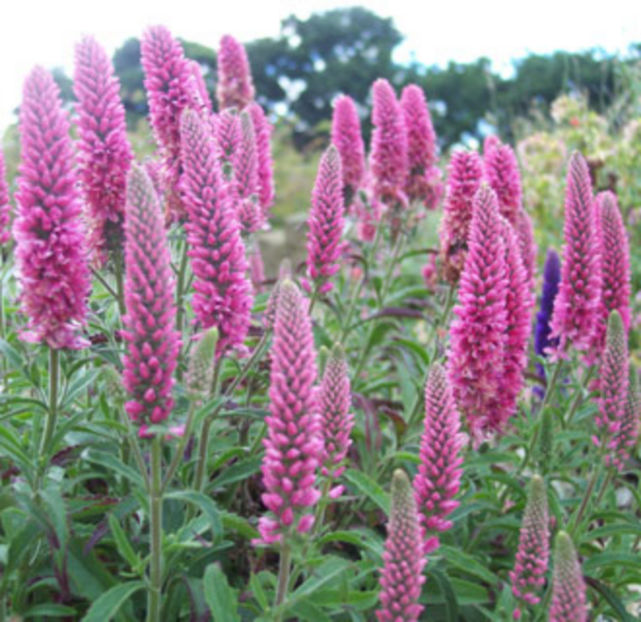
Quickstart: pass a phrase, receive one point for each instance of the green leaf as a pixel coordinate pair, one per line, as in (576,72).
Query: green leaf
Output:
(206,505)
(51,609)
(113,463)
(221,599)
(258,591)
(366,485)
(449,596)
(106,606)
(78,385)
(122,543)
(239,471)
(613,600)
(13,356)
(233,522)
(612,560)
(467,564)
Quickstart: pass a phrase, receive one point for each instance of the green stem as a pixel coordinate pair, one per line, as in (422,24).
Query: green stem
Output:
(283,576)
(106,285)
(312,301)
(179,288)
(586,497)
(120,287)
(155,563)
(578,398)
(180,450)
(322,506)
(50,423)
(605,485)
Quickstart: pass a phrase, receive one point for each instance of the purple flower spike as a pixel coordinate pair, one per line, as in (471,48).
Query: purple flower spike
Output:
(51,253)
(152,341)
(325,221)
(104,151)
(628,435)
(228,139)
(465,171)
(403,558)
(439,474)
(263,132)
(5,208)
(528,576)
(248,207)
(568,587)
(235,87)
(577,303)
(478,332)
(293,447)
(222,295)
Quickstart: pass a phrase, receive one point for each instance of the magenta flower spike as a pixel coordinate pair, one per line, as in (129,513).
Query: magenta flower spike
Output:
(615,266)
(528,575)
(228,140)
(104,152)
(5,208)
(334,402)
(439,474)
(152,341)
(222,296)
(519,303)
(613,384)
(171,88)
(626,438)
(348,139)
(527,244)
(568,587)
(284,274)
(424,179)
(235,87)
(576,308)
(200,86)
(51,253)
(263,132)
(388,153)
(325,221)
(502,173)
(403,558)
(465,171)
(256,268)
(245,168)
(294,446)
(478,332)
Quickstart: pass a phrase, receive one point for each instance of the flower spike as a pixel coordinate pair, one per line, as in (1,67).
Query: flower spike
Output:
(568,587)
(235,87)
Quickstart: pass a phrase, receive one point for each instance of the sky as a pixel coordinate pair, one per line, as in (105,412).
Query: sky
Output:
(45,31)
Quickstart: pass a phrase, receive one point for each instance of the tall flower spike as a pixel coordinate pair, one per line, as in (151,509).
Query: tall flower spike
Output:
(439,474)
(613,382)
(200,371)
(51,252)
(518,303)
(5,209)
(403,558)
(542,341)
(502,173)
(256,268)
(388,153)
(628,435)
(152,341)
(465,171)
(528,576)
(284,274)
(478,332)
(325,221)
(200,86)
(527,244)
(249,212)
(577,303)
(263,132)
(336,421)
(293,447)
(222,295)
(104,151)
(348,139)
(228,139)
(615,266)
(170,89)
(235,87)
(424,179)
(568,587)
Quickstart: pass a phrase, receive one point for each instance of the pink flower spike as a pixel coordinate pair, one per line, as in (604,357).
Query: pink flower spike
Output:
(577,304)
(424,181)
(388,153)
(293,447)
(568,587)
(235,87)
(152,341)
(519,302)
(325,221)
(403,558)
(348,139)
(222,296)
(170,89)
(256,268)
(5,208)
(528,576)
(263,132)
(248,208)
(615,266)
(478,331)
(228,140)
(104,151)
(334,402)
(465,171)
(439,474)
(502,173)
(626,438)
(51,253)
(200,87)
